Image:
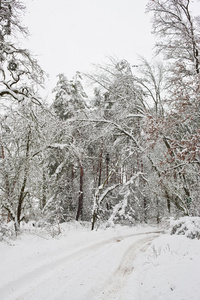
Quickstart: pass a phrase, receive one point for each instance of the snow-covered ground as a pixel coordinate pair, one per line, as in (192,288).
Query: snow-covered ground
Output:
(138,263)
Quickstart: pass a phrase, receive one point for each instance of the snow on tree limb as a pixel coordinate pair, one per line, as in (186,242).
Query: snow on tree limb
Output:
(119,208)
(117,126)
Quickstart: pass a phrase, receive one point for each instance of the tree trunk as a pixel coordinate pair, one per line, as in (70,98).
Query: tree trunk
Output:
(94,217)
(145,209)
(168,201)
(44,190)
(21,199)
(158,211)
(80,200)
(22,194)
(100,165)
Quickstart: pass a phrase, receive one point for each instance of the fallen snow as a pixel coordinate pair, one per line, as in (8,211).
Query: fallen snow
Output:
(169,270)
(138,263)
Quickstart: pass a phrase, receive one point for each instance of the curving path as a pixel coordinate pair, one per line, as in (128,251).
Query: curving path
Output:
(95,272)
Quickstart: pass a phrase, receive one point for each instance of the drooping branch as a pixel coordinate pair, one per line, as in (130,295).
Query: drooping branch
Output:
(98,198)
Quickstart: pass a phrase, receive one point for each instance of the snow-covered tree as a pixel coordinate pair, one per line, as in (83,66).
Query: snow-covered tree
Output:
(19,75)
(19,142)
(19,71)
(119,119)
(66,155)
(69,96)
(177,32)
(178,129)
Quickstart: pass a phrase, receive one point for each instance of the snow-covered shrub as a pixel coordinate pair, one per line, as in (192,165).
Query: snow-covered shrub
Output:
(41,227)
(7,231)
(188,226)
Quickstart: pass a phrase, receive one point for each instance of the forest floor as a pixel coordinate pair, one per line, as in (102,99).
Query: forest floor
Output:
(127,263)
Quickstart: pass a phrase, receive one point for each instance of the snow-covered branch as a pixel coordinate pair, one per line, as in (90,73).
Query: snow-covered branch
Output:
(116,126)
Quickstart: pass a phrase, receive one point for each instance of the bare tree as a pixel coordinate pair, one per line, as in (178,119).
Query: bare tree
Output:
(177,31)
(178,129)
(19,71)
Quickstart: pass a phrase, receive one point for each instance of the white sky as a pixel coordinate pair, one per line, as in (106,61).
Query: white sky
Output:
(70,35)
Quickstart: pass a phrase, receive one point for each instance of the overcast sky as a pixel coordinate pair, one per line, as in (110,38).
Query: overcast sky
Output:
(70,35)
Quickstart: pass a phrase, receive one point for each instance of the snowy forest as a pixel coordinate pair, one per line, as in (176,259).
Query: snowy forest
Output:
(128,153)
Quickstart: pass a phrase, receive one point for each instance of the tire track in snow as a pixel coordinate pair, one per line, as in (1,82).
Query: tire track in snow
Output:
(26,286)
(32,279)
(125,268)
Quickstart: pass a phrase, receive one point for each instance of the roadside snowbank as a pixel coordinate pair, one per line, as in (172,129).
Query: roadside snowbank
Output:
(188,226)
(169,270)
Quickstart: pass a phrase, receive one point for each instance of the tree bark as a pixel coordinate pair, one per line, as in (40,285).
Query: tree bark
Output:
(22,194)
(44,190)
(80,199)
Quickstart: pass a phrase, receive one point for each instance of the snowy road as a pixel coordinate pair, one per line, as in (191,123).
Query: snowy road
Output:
(72,269)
